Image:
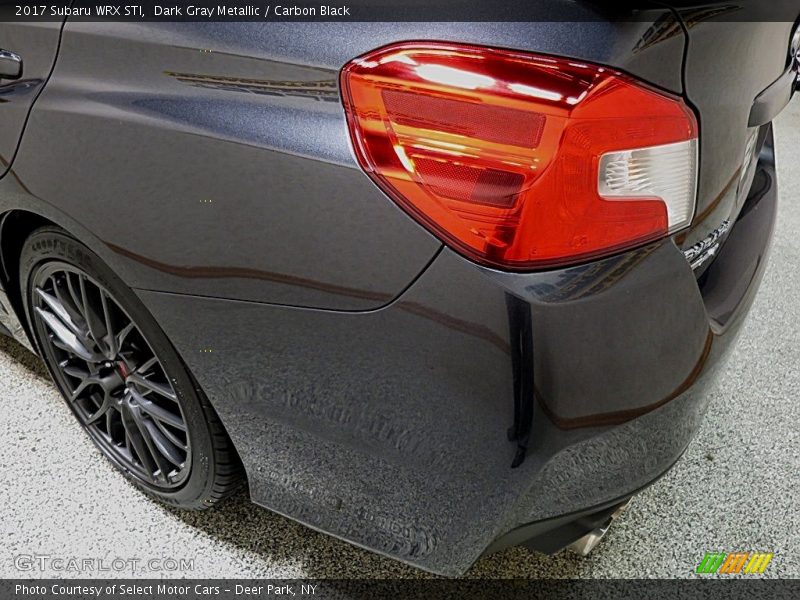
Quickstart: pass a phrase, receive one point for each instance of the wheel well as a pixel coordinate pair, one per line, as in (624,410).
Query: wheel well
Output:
(15,227)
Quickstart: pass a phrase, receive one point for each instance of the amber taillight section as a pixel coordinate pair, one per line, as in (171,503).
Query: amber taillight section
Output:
(521,161)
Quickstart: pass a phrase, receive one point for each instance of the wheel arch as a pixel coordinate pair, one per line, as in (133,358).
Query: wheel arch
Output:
(20,215)
(16,226)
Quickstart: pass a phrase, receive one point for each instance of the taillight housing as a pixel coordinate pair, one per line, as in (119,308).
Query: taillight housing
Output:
(522,161)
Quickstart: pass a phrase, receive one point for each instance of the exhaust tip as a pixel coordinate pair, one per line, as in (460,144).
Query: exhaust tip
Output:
(584,545)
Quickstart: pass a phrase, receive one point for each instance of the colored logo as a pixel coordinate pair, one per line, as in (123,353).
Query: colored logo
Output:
(734,562)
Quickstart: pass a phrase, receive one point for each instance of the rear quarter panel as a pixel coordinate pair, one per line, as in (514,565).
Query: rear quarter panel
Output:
(213,158)
(729,62)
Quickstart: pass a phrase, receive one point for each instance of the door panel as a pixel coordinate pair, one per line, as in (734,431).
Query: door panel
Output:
(37,45)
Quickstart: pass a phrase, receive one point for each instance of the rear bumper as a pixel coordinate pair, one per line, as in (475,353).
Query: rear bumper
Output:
(479,402)
(728,288)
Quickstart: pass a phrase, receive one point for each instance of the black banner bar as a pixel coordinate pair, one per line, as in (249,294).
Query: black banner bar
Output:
(392,10)
(226,589)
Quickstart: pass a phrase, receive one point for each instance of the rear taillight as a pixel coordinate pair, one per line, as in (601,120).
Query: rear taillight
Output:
(522,161)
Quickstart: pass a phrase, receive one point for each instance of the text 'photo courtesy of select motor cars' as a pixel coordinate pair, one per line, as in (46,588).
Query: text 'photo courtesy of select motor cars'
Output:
(400,299)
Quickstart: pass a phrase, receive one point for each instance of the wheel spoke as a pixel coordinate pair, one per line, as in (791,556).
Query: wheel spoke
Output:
(87,381)
(152,386)
(171,435)
(152,447)
(59,310)
(93,319)
(146,366)
(76,297)
(103,410)
(110,338)
(163,445)
(123,333)
(135,441)
(155,411)
(110,423)
(69,340)
(74,370)
(61,289)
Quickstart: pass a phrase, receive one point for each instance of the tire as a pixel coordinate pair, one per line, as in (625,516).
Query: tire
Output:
(121,377)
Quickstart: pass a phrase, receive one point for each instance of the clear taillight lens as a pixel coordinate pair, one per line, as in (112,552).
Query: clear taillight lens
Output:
(522,161)
(667,172)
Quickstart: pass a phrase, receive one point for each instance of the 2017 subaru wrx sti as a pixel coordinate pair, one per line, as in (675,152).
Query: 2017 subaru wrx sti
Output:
(434,288)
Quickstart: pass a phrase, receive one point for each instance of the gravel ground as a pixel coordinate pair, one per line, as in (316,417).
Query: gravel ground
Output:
(736,488)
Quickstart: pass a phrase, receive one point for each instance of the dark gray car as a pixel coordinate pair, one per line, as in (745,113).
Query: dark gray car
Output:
(433,288)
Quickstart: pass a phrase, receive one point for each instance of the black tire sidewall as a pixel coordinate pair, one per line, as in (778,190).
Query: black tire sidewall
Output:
(51,244)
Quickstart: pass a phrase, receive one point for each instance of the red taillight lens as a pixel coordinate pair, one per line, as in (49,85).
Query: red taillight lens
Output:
(519,160)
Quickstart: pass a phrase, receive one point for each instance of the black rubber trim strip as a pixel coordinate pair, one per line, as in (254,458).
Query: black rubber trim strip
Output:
(769,103)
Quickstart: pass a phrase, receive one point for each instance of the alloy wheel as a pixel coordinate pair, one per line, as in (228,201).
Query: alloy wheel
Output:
(111,377)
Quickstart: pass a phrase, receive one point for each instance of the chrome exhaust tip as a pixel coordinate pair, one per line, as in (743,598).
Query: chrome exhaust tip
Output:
(583,546)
